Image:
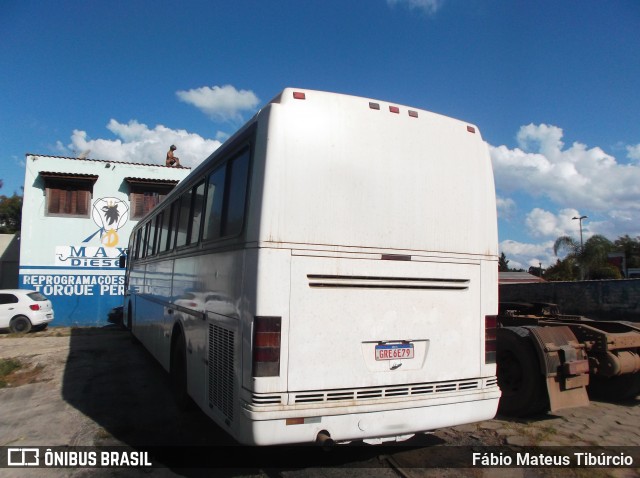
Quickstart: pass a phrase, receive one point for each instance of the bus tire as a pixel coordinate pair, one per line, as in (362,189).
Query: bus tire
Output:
(127,320)
(522,384)
(178,374)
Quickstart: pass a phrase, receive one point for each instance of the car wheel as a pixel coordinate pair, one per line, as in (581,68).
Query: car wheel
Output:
(20,325)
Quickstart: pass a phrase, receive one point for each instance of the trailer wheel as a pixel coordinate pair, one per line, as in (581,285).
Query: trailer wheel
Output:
(621,387)
(519,377)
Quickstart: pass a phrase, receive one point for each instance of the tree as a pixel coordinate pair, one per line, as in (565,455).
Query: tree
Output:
(590,257)
(503,263)
(10,214)
(565,270)
(631,249)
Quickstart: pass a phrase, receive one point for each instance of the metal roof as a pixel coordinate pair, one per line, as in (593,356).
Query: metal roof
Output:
(518,278)
(151,181)
(158,165)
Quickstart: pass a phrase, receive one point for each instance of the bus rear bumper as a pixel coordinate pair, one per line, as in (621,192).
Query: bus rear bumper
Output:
(350,426)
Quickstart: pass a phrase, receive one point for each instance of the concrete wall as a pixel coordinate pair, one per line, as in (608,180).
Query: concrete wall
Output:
(603,300)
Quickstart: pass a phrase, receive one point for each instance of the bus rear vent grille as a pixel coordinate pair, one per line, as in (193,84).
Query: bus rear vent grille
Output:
(412,390)
(221,384)
(266,399)
(491,382)
(372,282)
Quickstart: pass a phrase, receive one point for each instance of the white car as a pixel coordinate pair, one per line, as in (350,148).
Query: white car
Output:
(22,309)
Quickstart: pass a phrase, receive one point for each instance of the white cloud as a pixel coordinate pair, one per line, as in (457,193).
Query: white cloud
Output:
(137,143)
(546,224)
(427,6)
(633,152)
(522,255)
(221,103)
(505,206)
(571,181)
(574,177)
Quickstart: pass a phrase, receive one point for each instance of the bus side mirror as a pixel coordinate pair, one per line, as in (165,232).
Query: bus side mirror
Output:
(122,261)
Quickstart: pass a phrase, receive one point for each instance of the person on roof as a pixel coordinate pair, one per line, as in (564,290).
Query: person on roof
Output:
(171,159)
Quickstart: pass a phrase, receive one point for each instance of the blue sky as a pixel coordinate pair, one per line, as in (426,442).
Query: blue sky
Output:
(551,84)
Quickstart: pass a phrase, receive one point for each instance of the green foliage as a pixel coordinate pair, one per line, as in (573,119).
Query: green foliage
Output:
(590,257)
(606,272)
(589,261)
(565,270)
(10,214)
(6,367)
(631,249)
(503,263)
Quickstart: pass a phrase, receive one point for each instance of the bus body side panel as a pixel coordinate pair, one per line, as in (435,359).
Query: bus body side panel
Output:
(148,292)
(267,290)
(207,299)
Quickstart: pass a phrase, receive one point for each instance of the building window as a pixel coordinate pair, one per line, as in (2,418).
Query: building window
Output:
(68,194)
(144,201)
(145,194)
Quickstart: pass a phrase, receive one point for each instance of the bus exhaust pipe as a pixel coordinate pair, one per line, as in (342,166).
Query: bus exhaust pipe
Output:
(324,440)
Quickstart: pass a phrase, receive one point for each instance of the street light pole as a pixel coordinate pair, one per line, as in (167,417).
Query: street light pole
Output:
(580,219)
(581,246)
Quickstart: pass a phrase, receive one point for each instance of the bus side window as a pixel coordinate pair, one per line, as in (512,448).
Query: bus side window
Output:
(153,236)
(213,206)
(182,238)
(196,209)
(236,193)
(157,249)
(138,239)
(168,225)
(145,241)
(173,229)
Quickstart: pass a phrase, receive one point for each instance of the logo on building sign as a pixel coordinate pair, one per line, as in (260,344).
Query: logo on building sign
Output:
(110,214)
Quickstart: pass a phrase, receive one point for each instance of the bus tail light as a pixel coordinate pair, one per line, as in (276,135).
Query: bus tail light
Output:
(266,346)
(490,323)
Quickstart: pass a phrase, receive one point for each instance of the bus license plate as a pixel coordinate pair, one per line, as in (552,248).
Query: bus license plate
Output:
(394,351)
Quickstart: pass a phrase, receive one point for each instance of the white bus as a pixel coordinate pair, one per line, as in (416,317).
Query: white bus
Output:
(329,274)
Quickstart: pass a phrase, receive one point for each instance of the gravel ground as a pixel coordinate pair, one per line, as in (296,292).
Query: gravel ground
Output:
(95,387)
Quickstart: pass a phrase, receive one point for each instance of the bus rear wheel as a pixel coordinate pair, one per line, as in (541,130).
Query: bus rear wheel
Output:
(178,374)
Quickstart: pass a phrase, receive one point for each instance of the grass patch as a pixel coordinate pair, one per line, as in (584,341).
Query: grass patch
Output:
(7,367)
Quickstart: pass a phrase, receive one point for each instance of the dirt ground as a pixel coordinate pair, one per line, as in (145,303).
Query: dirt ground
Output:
(97,387)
